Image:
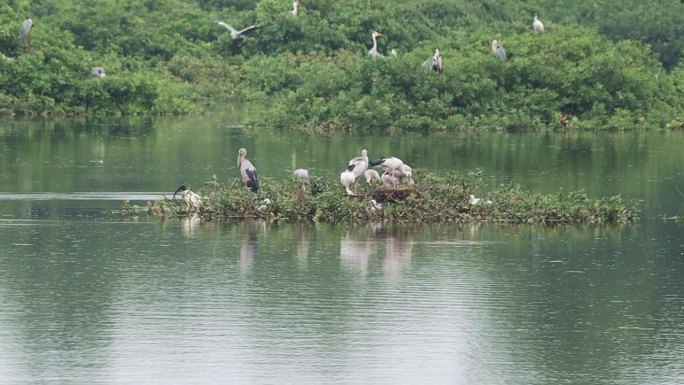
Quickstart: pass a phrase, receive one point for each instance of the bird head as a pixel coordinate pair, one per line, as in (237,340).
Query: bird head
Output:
(376,34)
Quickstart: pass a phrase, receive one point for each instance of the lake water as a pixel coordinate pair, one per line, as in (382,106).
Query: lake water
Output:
(90,297)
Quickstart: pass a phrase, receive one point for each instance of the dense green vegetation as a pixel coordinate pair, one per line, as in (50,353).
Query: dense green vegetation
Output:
(437,198)
(598,66)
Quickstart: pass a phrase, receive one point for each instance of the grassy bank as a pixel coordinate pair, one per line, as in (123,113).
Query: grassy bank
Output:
(313,71)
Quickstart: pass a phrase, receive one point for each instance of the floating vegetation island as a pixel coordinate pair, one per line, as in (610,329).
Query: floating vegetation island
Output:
(434,198)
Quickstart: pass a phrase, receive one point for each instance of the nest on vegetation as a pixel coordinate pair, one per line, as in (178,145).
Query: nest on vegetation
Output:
(384,195)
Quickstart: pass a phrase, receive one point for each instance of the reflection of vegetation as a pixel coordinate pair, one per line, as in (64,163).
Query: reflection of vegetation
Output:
(167,57)
(435,199)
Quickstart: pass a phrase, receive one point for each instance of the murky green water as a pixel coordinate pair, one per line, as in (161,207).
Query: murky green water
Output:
(89,297)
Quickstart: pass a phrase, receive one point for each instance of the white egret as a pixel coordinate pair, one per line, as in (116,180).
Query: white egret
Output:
(355,168)
(234,33)
(537,25)
(247,171)
(373,52)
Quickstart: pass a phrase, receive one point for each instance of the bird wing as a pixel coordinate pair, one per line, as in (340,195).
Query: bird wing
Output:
(247,29)
(378,162)
(354,163)
(253,182)
(222,23)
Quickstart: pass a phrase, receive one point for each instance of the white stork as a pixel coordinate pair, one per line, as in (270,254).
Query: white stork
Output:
(387,163)
(355,168)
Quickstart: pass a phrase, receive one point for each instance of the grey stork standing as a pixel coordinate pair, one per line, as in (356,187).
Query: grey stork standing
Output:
(247,171)
(355,168)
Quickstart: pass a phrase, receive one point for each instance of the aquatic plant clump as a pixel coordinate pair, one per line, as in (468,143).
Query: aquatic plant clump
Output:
(450,198)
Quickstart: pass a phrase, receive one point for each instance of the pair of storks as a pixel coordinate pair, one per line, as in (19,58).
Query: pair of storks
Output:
(247,171)
(395,171)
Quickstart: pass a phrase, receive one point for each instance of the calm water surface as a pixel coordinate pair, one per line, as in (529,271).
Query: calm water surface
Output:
(90,297)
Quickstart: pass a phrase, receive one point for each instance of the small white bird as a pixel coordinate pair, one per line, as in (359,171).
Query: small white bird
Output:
(494,45)
(391,178)
(537,25)
(373,52)
(234,33)
(98,72)
(264,204)
(372,176)
(191,199)
(301,175)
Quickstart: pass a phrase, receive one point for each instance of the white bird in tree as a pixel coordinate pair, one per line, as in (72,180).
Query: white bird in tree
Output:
(437,61)
(355,168)
(500,51)
(434,63)
(494,45)
(234,33)
(373,52)
(98,72)
(247,171)
(191,199)
(537,25)
(25,29)
(295,7)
